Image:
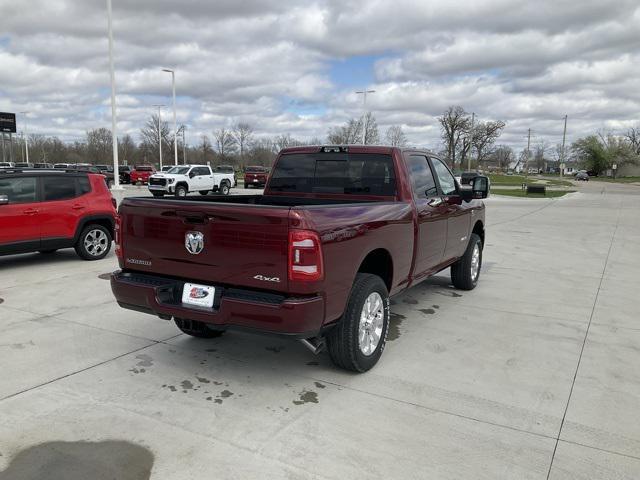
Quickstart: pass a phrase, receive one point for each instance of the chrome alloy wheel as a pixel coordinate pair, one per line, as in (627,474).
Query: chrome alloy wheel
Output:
(96,242)
(475,262)
(371,324)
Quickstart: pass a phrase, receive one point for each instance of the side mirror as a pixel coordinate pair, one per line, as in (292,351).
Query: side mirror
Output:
(480,187)
(4,199)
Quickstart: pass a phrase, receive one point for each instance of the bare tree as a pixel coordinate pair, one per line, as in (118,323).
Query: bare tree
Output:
(284,141)
(633,136)
(503,156)
(225,143)
(99,144)
(371,133)
(242,133)
(454,124)
(126,148)
(348,134)
(205,148)
(484,135)
(395,136)
(151,134)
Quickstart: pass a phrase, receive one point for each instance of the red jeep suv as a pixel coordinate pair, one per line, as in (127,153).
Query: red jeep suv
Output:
(48,210)
(141,174)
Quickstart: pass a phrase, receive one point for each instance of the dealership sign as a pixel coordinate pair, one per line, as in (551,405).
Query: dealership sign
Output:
(7,122)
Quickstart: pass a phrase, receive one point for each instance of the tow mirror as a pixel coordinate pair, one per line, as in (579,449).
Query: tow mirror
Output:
(4,199)
(480,187)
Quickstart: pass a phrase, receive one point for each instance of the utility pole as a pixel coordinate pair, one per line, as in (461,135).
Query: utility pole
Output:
(364,113)
(473,118)
(114,132)
(26,135)
(175,122)
(184,146)
(526,162)
(564,136)
(160,130)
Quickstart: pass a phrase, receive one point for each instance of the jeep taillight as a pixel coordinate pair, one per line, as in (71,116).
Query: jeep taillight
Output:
(305,256)
(117,236)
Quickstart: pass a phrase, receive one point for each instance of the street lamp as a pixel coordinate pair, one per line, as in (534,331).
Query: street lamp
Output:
(114,133)
(175,121)
(26,135)
(364,113)
(160,130)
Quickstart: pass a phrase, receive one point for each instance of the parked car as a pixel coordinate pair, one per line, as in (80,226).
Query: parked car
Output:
(141,174)
(255,176)
(24,165)
(48,210)
(182,179)
(582,176)
(42,165)
(107,171)
(166,168)
(124,172)
(7,165)
(62,165)
(466,178)
(228,169)
(336,233)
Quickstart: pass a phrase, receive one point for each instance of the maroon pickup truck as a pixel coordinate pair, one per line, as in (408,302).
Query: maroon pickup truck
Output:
(338,230)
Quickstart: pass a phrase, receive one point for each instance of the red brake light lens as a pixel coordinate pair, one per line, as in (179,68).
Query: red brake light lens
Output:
(117,233)
(305,256)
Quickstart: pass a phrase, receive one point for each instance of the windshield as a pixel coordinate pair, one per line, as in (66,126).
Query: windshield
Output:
(340,173)
(144,169)
(179,170)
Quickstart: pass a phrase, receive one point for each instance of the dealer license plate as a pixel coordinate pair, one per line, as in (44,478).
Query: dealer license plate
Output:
(199,295)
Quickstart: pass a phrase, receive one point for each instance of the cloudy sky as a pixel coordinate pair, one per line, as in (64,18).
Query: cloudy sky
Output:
(293,66)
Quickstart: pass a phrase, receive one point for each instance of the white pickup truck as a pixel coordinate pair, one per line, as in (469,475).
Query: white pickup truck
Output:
(182,179)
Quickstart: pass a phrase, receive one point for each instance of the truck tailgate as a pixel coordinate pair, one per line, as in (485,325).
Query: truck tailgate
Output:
(243,245)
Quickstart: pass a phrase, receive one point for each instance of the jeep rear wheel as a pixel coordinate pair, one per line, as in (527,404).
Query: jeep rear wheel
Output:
(358,340)
(197,329)
(94,242)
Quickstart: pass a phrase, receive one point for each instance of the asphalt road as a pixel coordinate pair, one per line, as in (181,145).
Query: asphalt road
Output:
(534,374)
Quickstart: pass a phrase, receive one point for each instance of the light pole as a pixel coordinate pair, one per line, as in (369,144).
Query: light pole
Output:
(160,131)
(473,118)
(364,114)
(184,145)
(175,121)
(114,133)
(26,135)
(564,136)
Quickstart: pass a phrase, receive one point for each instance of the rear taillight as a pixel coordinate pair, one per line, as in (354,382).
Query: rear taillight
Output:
(117,234)
(305,256)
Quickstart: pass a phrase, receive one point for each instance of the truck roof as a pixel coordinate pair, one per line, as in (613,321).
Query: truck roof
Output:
(354,148)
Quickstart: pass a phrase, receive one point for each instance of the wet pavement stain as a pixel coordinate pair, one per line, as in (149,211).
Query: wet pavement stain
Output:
(186,385)
(395,321)
(436,306)
(1,300)
(80,461)
(320,385)
(438,348)
(211,350)
(202,379)
(275,349)
(428,311)
(218,400)
(410,301)
(19,346)
(313,363)
(145,360)
(105,276)
(136,370)
(225,394)
(449,294)
(209,398)
(307,396)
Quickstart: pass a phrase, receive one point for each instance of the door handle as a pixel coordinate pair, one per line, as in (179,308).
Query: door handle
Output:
(30,211)
(434,202)
(78,207)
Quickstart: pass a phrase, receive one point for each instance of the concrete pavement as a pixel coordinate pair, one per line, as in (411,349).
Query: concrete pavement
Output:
(531,375)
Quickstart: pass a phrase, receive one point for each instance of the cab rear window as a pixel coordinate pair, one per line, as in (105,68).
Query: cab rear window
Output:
(339,173)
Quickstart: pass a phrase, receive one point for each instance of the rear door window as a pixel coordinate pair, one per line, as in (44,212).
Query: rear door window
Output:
(19,189)
(58,188)
(335,172)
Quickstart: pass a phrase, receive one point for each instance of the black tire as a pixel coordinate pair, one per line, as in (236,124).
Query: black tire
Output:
(158,194)
(97,249)
(343,339)
(461,274)
(224,188)
(204,192)
(197,329)
(246,186)
(181,191)
(48,252)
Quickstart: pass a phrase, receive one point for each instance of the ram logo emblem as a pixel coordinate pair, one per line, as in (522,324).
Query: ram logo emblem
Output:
(194,242)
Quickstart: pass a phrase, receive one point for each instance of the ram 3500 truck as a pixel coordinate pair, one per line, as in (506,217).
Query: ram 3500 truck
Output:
(338,230)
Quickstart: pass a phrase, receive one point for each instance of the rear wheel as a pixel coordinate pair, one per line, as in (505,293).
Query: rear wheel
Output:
(224,188)
(358,340)
(197,329)
(181,191)
(94,242)
(466,271)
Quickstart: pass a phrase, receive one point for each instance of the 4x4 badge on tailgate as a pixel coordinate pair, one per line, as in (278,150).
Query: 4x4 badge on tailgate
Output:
(194,242)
